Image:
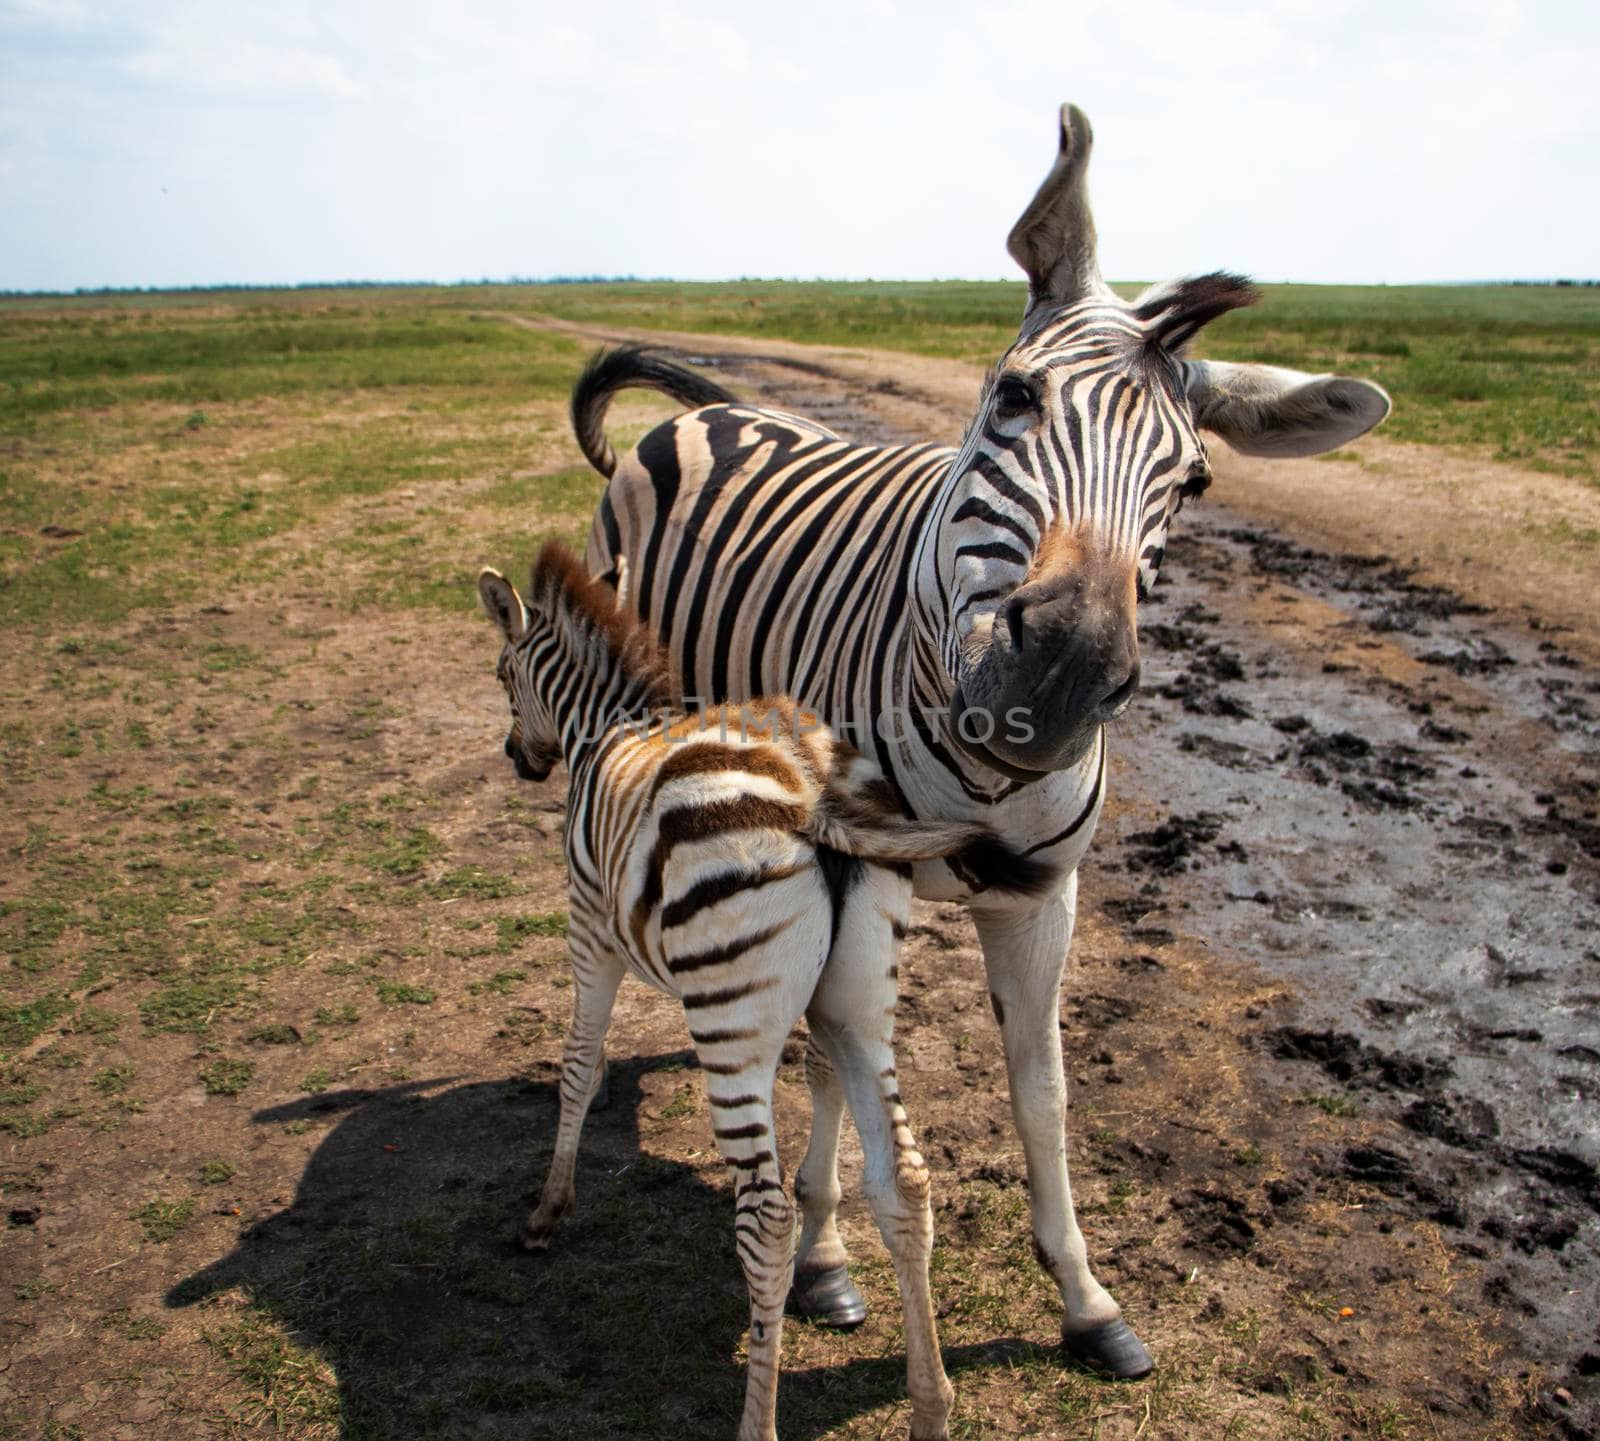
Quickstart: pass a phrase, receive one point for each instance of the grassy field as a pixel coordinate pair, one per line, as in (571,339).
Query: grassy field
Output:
(265,874)
(1514,368)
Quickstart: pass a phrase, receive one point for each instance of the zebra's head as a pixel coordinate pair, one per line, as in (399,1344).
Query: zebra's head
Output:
(576,660)
(1086,441)
(534,741)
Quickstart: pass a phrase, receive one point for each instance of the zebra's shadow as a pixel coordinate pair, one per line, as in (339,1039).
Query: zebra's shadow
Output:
(395,1266)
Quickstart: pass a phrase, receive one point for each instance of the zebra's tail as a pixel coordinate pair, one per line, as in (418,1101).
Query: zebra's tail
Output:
(973,849)
(609,371)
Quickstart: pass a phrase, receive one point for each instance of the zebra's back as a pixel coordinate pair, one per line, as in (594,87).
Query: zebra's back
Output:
(723,886)
(744,530)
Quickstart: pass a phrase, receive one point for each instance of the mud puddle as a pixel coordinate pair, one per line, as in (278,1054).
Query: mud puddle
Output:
(1390,798)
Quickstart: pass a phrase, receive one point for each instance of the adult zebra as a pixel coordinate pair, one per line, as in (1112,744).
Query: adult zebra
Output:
(965,616)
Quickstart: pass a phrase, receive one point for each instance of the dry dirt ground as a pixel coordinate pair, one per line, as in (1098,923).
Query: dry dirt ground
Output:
(1330,1024)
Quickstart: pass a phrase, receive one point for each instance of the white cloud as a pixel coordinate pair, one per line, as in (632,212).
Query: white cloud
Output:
(243,70)
(54,14)
(1311,139)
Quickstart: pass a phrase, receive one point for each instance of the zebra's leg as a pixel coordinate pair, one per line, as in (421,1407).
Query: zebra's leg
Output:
(763,1228)
(740,1054)
(823,1291)
(1024,955)
(852,1016)
(596,976)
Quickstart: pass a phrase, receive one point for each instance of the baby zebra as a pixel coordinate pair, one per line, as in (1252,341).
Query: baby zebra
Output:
(749,864)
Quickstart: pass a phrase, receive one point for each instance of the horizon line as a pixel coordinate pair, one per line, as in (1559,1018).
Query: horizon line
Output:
(250,286)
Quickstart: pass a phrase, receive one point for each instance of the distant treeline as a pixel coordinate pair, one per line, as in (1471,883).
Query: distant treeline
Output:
(236,288)
(527,280)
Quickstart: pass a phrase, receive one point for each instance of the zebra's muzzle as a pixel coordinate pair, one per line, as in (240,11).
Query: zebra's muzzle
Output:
(526,769)
(1062,660)
(531,773)
(1011,743)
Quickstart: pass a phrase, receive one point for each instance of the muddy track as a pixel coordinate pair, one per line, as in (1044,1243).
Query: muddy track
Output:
(1386,797)
(1383,794)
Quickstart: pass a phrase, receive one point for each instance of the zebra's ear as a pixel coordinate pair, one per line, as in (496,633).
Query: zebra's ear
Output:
(1053,239)
(503,604)
(1264,410)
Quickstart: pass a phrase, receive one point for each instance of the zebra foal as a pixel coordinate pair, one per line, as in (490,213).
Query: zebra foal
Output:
(744,862)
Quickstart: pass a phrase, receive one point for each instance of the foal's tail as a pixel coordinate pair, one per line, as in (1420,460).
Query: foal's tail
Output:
(974,851)
(609,371)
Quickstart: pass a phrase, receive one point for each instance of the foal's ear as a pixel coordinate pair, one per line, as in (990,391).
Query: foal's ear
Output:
(503,604)
(1264,410)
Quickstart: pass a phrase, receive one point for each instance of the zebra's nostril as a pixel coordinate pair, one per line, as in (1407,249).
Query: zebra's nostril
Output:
(1014,623)
(511,750)
(1117,701)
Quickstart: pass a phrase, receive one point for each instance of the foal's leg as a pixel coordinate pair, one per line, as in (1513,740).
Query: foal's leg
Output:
(741,1002)
(852,1016)
(763,1227)
(596,974)
(823,1291)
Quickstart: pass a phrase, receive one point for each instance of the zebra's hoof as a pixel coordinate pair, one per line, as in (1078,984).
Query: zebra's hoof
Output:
(535,1240)
(1111,1349)
(827,1297)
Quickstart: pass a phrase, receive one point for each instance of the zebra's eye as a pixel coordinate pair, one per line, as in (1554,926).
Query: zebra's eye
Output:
(1012,396)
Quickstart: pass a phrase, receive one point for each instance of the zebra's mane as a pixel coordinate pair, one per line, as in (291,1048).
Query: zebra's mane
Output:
(1173,312)
(586,610)
(991,375)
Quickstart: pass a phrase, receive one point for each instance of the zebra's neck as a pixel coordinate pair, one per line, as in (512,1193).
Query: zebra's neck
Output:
(936,756)
(593,677)
(930,759)
(580,740)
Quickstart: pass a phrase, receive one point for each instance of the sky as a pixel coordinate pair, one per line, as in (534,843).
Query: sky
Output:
(177,142)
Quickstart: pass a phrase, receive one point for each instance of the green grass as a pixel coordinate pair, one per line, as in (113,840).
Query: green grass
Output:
(512,931)
(968,320)
(162,1219)
(114,1080)
(22,1023)
(135,1328)
(251,423)
(296,1387)
(57,358)
(226,1077)
(192,1005)
(1331,1103)
(345,1015)
(474,882)
(499,984)
(1516,368)
(402,993)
